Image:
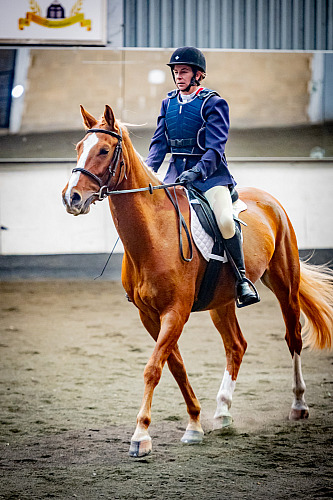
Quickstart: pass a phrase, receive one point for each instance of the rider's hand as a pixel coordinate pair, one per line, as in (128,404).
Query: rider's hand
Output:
(188,177)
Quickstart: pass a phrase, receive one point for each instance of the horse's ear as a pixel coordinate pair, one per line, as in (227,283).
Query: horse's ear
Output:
(88,119)
(109,116)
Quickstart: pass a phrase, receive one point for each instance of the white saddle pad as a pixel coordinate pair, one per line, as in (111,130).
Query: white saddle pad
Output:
(202,240)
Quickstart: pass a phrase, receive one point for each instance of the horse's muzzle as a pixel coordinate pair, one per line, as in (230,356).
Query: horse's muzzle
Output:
(74,202)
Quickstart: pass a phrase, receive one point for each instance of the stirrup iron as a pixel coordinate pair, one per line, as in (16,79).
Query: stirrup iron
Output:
(240,304)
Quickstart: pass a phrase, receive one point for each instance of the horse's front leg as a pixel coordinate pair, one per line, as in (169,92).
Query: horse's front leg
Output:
(172,324)
(194,432)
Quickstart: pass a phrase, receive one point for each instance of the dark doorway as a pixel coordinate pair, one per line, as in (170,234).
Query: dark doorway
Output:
(7,67)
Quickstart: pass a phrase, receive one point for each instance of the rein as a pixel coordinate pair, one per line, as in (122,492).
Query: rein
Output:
(174,201)
(104,191)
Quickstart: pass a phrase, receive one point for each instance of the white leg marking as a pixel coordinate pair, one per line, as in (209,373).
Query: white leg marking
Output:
(74,179)
(298,385)
(141,434)
(141,444)
(224,396)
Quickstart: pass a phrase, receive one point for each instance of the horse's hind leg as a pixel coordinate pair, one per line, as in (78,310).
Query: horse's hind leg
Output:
(299,408)
(283,278)
(225,320)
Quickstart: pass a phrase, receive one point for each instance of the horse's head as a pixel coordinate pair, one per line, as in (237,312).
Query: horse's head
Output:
(99,166)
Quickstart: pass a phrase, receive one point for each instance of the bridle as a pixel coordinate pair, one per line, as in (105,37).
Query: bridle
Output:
(104,191)
(115,161)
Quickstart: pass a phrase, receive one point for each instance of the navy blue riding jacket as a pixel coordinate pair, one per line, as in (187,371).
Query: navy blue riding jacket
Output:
(195,133)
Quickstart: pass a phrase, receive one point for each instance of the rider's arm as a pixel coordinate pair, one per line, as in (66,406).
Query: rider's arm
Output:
(159,144)
(216,114)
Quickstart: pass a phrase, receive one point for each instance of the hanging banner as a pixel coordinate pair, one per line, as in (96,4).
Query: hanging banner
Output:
(74,22)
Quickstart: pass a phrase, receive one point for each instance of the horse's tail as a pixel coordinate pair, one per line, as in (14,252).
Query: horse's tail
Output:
(316,298)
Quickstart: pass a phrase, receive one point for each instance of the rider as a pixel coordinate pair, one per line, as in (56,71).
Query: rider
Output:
(193,125)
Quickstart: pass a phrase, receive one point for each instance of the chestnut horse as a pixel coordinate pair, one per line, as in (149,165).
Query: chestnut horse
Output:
(163,286)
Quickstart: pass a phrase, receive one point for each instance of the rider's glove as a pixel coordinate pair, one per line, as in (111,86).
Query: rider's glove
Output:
(189,176)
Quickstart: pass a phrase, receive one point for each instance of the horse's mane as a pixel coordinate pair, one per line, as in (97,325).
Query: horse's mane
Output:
(128,142)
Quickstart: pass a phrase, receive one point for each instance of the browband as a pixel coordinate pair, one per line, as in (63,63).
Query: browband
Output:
(109,132)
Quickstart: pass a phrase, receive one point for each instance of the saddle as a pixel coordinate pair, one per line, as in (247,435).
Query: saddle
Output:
(217,256)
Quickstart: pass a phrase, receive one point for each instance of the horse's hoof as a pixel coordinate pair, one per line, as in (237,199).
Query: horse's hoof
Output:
(192,437)
(222,422)
(299,414)
(140,449)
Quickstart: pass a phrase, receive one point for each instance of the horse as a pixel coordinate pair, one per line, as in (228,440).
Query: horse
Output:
(164,286)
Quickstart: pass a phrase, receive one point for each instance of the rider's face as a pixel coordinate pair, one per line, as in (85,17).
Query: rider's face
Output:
(183,75)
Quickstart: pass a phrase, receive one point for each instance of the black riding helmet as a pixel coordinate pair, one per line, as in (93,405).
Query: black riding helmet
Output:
(188,55)
(192,57)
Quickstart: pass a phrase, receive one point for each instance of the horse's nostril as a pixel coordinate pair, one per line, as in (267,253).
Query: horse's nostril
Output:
(75,199)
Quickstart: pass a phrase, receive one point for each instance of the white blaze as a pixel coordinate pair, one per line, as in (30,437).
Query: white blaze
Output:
(74,179)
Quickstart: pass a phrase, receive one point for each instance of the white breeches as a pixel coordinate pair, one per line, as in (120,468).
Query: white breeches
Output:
(220,201)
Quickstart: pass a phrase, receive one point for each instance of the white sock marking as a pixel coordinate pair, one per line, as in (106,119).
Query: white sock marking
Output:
(74,179)
(224,396)
(298,385)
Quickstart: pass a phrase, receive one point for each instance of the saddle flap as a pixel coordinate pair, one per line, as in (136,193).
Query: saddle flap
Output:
(210,243)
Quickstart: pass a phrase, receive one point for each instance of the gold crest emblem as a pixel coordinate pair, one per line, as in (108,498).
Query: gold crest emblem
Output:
(55,16)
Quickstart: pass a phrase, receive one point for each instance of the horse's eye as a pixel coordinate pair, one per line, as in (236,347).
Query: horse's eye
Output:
(103,151)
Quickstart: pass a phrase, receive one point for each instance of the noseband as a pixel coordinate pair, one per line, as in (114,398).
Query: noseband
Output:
(104,188)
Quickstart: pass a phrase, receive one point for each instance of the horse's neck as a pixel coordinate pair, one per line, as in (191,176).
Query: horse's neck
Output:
(136,215)
(136,171)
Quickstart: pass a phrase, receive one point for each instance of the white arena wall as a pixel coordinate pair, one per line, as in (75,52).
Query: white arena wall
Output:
(37,224)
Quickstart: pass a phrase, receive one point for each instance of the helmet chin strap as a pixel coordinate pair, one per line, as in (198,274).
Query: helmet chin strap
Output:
(192,83)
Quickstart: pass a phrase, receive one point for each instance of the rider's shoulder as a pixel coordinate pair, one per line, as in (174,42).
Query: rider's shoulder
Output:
(207,93)
(173,93)
(213,100)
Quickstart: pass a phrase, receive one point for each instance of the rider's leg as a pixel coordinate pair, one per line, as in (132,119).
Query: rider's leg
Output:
(220,201)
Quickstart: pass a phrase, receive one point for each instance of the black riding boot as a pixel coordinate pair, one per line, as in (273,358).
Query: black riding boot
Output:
(246,291)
